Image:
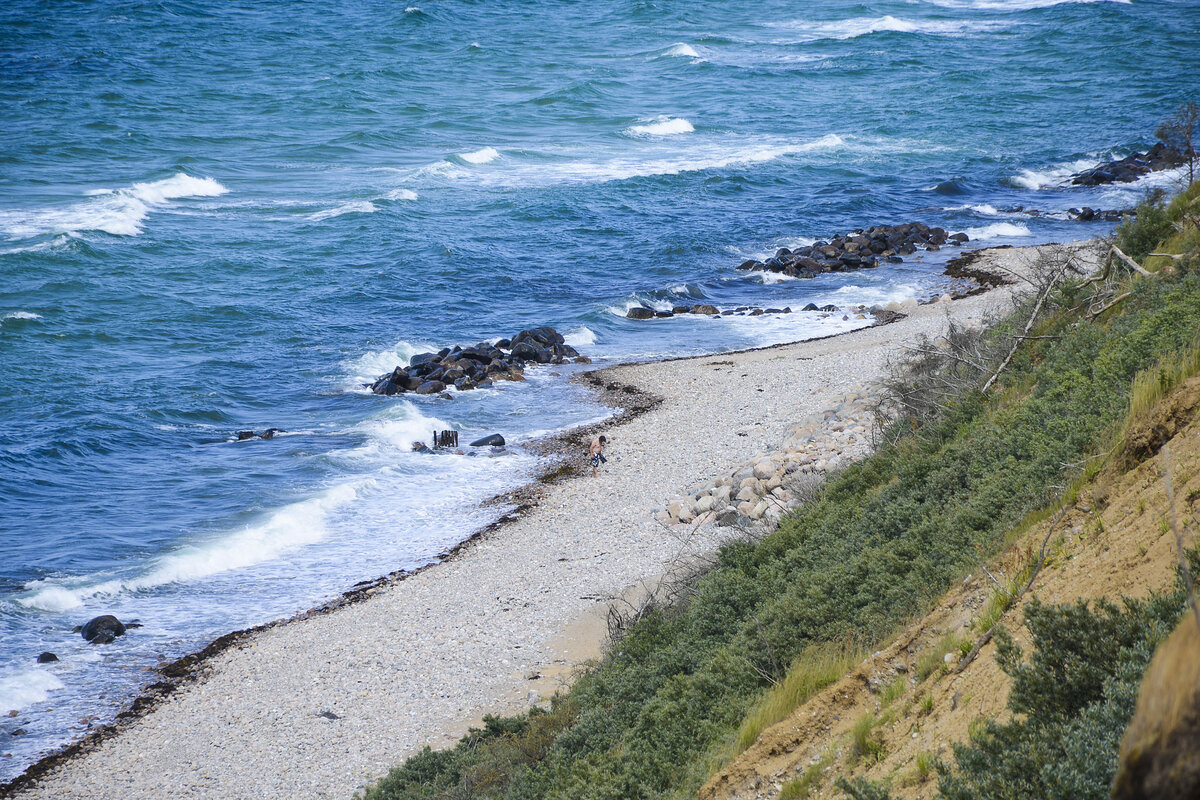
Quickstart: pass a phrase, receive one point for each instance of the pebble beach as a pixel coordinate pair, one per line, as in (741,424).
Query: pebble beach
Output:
(323,705)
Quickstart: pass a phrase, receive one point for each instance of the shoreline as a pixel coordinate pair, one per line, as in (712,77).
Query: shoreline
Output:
(621,385)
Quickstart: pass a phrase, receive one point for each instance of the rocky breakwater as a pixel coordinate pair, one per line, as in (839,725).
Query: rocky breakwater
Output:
(860,249)
(766,486)
(478,366)
(1130,168)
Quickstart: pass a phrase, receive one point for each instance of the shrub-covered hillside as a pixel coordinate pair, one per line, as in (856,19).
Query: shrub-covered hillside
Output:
(874,549)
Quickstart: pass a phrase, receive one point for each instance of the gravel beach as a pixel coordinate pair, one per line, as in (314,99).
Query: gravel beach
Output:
(320,707)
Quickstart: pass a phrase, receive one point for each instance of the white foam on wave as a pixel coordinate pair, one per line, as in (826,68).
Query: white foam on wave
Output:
(790,242)
(1055,176)
(772,278)
(1012,5)
(681,50)
(808,30)
(21,315)
(397,428)
(399,194)
(370,366)
(289,528)
(353,207)
(484,155)
(583,336)
(25,688)
(119,212)
(986,209)
(997,230)
(661,126)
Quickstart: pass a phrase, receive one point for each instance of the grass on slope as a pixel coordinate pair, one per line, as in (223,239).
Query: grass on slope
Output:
(873,550)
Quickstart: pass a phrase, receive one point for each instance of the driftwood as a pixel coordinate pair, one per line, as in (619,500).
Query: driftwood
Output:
(1133,265)
(1028,326)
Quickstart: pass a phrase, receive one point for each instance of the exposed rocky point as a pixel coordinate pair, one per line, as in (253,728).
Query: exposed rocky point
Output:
(478,366)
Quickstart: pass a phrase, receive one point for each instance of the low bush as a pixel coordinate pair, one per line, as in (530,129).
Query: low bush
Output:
(876,548)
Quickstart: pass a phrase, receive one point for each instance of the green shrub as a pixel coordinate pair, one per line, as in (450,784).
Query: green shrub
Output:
(876,548)
(1072,701)
(1142,233)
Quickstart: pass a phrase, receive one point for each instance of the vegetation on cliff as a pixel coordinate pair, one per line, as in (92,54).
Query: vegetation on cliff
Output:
(977,449)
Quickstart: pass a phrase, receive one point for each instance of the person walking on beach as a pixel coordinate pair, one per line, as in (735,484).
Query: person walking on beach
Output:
(597,452)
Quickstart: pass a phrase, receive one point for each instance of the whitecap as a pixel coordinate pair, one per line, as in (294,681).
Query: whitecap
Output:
(583,336)
(997,230)
(119,212)
(790,242)
(484,155)
(25,688)
(399,194)
(355,207)
(1012,5)
(289,528)
(1055,176)
(681,50)
(854,27)
(21,315)
(371,365)
(660,126)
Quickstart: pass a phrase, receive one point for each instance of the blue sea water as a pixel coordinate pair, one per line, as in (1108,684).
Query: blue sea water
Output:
(223,216)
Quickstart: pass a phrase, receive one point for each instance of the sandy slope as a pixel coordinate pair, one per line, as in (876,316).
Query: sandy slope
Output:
(319,707)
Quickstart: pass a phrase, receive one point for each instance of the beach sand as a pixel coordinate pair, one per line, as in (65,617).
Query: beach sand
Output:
(322,706)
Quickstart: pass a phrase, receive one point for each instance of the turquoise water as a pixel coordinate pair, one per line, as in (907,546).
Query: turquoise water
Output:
(217,217)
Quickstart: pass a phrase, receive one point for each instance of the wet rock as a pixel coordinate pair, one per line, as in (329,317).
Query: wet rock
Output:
(495,440)
(102,629)
(704,308)
(640,312)
(431,387)
(47,658)
(1130,168)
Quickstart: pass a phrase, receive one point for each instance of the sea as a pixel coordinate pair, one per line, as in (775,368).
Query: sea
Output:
(227,216)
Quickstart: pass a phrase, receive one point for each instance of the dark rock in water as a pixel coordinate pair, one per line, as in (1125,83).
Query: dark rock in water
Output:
(269,433)
(959,237)
(495,440)
(47,658)
(757,312)
(640,312)
(583,360)
(531,350)
(751,264)
(103,629)
(811,307)
(664,314)
(829,307)
(244,435)
(422,358)
(680,309)
(704,308)
(1130,168)
(476,366)
(431,387)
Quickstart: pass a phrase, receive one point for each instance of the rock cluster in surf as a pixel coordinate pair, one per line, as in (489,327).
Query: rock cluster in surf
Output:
(478,366)
(1130,168)
(860,249)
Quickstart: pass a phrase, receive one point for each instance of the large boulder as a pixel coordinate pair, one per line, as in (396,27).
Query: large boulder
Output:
(102,629)
(640,312)
(431,387)
(495,440)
